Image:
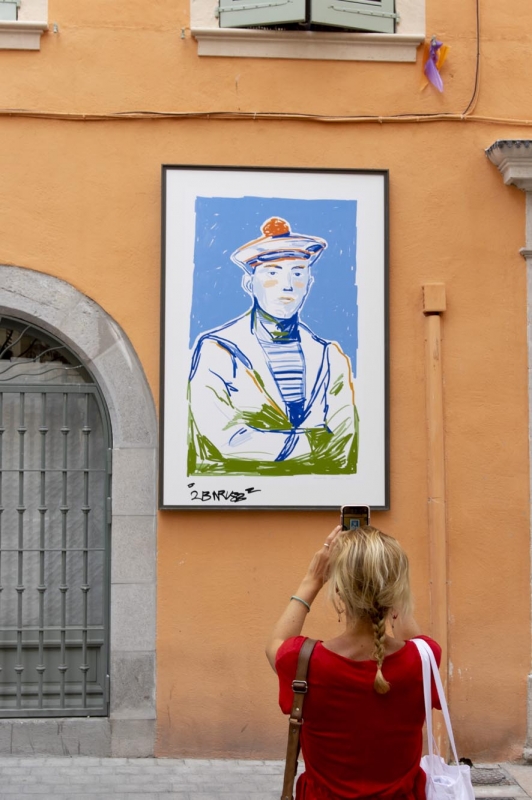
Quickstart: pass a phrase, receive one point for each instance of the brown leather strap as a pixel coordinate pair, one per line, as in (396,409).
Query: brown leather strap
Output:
(299,686)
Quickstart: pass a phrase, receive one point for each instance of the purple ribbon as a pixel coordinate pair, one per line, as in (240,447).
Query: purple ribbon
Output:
(430,69)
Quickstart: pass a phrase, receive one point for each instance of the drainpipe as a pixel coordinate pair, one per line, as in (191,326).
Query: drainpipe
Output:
(434,304)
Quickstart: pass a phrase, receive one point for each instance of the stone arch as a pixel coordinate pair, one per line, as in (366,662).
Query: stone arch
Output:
(57,307)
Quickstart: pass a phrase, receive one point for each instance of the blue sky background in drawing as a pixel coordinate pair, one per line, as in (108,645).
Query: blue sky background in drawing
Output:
(225,223)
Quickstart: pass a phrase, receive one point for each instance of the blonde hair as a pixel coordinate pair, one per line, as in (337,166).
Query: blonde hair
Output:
(369,574)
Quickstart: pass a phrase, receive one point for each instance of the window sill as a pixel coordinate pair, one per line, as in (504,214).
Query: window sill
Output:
(247,43)
(21,34)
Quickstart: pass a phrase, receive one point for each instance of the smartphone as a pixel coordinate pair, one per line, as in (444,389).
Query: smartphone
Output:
(354,517)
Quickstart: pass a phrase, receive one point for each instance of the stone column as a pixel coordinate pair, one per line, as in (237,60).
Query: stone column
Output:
(513,159)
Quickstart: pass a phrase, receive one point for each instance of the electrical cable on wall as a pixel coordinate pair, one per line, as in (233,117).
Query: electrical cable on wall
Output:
(474,97)
(443,116)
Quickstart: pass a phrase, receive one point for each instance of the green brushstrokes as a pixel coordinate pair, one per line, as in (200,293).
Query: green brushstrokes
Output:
(333,449)
(327,450)
(337,386)
(268,418)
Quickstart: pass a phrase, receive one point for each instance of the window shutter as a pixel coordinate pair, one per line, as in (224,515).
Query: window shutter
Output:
(377,16)
(244,13)
(8,10)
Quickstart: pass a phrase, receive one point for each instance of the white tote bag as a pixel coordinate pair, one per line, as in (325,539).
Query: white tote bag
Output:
(444,781)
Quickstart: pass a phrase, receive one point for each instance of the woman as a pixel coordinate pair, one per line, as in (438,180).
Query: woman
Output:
(364,710)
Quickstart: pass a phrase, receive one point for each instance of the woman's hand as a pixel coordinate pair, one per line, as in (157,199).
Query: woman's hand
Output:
(291,621)
(318,569)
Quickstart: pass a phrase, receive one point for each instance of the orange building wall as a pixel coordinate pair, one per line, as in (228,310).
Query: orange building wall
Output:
(81,200)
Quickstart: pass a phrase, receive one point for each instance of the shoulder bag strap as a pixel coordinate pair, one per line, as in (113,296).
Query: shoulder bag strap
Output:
(299,687)
(431,668)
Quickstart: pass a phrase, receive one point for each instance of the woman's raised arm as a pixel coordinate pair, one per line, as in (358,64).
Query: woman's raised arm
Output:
(291,621)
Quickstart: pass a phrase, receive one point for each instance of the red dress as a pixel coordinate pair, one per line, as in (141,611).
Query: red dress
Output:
(357,743)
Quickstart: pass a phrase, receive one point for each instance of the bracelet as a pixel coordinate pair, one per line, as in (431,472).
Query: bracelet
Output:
(300,600)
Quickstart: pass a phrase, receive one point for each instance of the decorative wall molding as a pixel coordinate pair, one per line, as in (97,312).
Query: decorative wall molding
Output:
(513,159)
(249,43)
(21,35)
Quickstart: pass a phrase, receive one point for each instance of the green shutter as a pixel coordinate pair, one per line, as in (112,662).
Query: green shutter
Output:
(373,15)
(245,13)
(8,10)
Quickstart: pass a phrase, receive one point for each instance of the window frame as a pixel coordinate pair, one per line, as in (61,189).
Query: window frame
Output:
(25,32)
(251,43)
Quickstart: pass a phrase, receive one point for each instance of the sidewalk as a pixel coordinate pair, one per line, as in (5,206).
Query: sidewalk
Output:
(84,778)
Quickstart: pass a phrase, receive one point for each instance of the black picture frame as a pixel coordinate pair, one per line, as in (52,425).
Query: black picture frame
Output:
(222,190)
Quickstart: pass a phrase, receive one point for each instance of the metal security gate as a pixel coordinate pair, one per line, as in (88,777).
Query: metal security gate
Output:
(54,530)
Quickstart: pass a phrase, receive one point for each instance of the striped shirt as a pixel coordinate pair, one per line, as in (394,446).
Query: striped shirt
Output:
(281,344)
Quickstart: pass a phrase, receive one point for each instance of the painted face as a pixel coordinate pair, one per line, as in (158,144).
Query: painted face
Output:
(280,288)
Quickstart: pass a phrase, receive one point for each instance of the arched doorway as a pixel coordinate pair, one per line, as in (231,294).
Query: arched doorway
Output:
(62,314)
(55,489)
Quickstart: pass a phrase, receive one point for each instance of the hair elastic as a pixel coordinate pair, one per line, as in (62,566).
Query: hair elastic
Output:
(300,600)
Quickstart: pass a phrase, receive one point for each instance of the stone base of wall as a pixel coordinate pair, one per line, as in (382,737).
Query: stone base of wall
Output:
(77,737)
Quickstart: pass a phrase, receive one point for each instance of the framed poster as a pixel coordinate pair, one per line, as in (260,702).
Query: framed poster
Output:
(274,338)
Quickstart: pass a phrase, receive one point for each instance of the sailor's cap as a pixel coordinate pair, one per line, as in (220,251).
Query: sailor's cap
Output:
(278,243)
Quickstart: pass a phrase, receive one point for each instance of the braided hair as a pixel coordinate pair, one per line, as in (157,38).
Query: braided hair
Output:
(369,575)
(378,620)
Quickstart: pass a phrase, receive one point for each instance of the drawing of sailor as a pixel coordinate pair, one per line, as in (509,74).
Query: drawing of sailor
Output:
(267,396)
